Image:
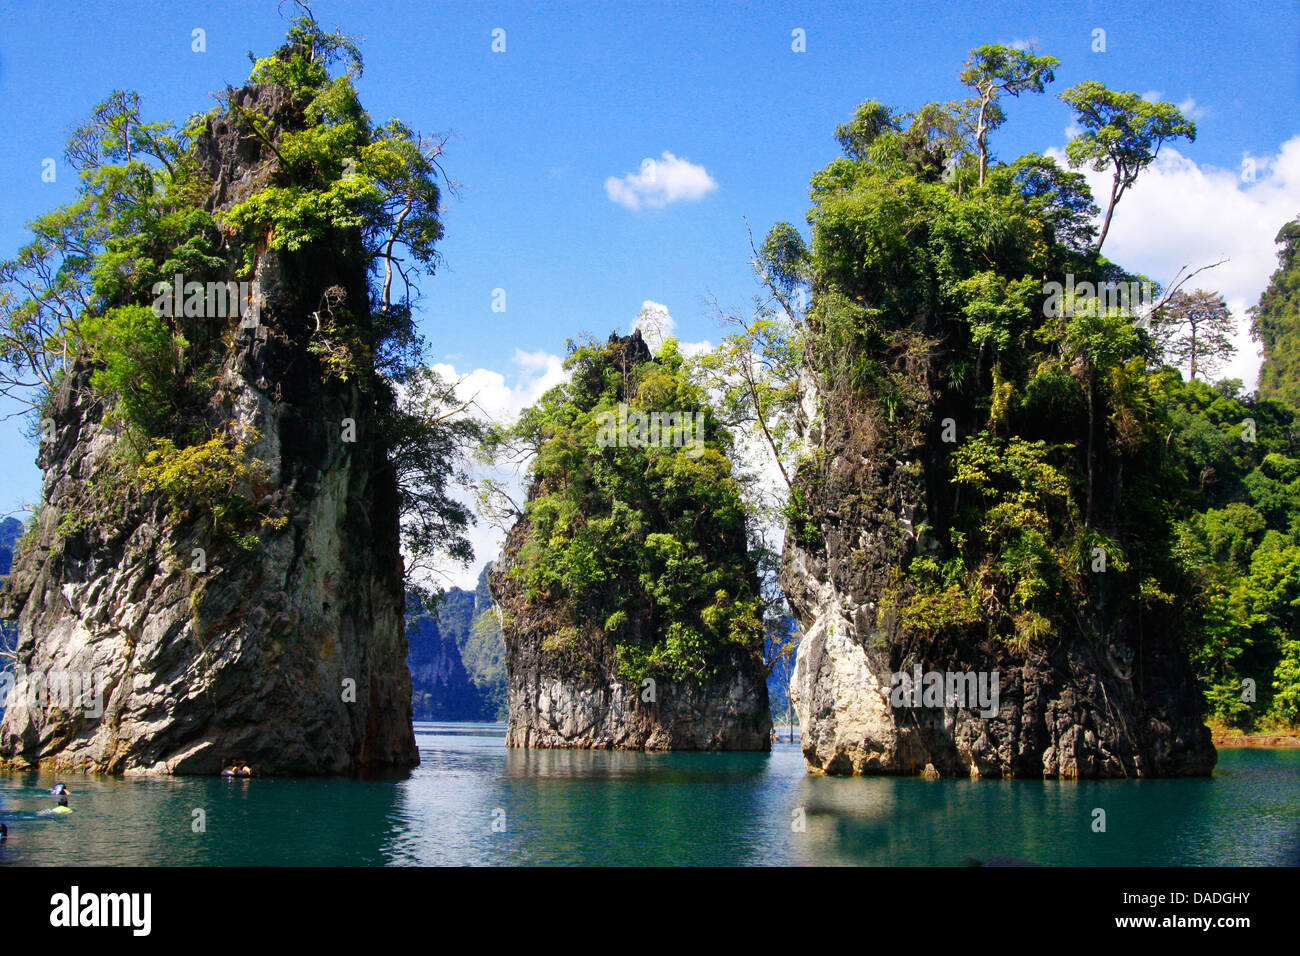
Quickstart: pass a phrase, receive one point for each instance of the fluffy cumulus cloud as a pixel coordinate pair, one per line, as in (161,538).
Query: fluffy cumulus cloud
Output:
(1181,215)
(501,399)
(659,182)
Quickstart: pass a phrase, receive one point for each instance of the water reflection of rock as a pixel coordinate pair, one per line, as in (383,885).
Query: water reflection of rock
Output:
(890,821)
(657,809)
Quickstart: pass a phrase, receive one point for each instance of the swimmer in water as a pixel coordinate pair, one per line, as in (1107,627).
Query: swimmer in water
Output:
(63,799)
(4,833)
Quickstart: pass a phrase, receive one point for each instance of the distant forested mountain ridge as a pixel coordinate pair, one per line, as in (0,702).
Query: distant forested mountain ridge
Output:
(11,529)
(457,656)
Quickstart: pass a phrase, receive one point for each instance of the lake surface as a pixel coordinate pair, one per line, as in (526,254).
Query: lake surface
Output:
(472,801)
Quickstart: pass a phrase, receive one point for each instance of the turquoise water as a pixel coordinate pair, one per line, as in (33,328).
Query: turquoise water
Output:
(473,802)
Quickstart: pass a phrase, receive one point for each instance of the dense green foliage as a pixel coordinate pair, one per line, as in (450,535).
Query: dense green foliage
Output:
(138,361)
(929,305)
(1275,322)
(216,479)
(342,172)
(1239,542)
(638,548)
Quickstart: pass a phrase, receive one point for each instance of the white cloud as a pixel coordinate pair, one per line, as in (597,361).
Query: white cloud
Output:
(1192,110)
(501,399)
(1181,214)
(656,325)
(659,182)
(690,349)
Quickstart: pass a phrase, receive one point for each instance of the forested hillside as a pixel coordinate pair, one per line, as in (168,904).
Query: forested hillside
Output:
(457,656)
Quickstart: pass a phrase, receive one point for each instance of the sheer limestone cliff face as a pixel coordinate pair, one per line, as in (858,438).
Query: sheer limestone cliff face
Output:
(555,703)
(1113,698)
(291,655)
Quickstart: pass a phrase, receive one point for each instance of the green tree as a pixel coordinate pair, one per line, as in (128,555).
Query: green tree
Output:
(431,436)
(129,223)
(1122,132)
(1059,197)
(994,71)
(754,371)
(869,121)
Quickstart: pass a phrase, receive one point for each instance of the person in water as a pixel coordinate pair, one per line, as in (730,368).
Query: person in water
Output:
(4,833)
(63,799)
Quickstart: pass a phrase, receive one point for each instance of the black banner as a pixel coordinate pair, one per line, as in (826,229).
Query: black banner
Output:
(387,906)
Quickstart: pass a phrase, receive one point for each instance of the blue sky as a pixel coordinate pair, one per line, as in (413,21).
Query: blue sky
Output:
(585,92)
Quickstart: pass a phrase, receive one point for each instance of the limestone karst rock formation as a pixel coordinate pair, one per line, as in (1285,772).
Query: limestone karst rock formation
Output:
(288,654)
(570,694)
